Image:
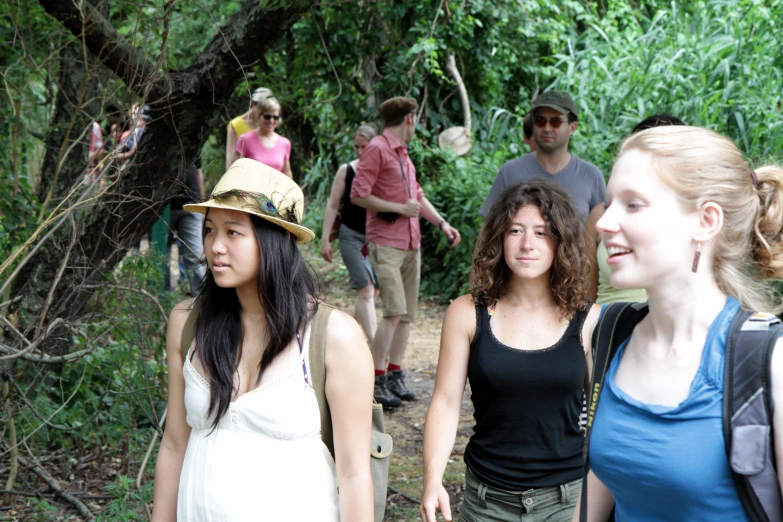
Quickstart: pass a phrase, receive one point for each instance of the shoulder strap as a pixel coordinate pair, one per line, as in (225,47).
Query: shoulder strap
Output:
(615,326)
(317,358)
(189,330)
(747,413)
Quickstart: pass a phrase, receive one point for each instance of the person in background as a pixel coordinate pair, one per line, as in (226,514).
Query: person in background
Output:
(243,432)
(521,338)
(386,185)
(605,292)
(243,123)
(555,118)
(527,132)
(129,141)
(263,144)
(188,227)
(351,234)
(690,222)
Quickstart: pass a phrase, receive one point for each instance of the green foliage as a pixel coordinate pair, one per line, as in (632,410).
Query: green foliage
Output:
(44,511)
(111,397)
(128,506)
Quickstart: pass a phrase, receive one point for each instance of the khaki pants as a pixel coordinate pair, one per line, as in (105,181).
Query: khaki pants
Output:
(398,273)
(484,503)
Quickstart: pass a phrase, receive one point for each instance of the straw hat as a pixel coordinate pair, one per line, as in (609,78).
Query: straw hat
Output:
(252,187)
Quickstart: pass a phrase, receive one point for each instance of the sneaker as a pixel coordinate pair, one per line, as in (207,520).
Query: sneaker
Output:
(382,394)
(396,380)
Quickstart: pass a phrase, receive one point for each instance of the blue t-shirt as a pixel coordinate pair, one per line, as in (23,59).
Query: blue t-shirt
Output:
(665,463)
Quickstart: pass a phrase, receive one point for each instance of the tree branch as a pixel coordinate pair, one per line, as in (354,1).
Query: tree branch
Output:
(82,19)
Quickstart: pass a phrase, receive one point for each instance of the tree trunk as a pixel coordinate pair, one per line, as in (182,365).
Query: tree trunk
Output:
(186,105)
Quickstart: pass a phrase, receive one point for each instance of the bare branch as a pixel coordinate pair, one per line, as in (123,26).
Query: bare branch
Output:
(129,63)
(55,485)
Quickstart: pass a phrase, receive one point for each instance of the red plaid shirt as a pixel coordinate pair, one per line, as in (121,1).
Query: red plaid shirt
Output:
(379,175)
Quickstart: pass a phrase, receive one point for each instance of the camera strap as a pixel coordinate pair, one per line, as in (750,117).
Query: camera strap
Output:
(402,169)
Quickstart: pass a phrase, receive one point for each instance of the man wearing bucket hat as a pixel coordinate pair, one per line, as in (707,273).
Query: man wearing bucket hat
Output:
(555,118)
(243,438)
(385,184)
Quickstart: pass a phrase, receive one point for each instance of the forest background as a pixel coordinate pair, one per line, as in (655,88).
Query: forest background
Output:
(82,370)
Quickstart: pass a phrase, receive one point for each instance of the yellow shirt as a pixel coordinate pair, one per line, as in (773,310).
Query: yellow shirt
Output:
(606,292)
(239,125)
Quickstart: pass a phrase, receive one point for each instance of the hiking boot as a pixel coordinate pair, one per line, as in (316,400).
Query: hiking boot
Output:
(382,394)
(396,380)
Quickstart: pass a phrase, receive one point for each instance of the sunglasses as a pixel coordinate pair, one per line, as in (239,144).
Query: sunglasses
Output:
(540,121)
(268,117)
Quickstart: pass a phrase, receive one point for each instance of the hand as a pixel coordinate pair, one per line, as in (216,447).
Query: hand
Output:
(326,250)
(452,234)
(434,498)
(410,209)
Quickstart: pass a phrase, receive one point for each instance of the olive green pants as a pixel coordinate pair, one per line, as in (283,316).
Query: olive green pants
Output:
(487,504)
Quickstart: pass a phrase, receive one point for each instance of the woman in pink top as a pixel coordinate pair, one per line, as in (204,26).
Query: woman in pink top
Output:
(263,144)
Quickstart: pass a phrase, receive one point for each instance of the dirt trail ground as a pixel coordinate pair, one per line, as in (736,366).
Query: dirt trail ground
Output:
(406,424)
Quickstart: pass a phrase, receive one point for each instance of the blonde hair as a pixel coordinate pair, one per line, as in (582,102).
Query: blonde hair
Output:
(702,166)
(269,104)
(365,131)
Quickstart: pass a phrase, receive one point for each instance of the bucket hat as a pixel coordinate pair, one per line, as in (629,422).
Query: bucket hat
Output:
(252,187)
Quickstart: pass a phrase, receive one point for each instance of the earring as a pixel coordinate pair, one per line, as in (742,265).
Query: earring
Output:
(696,257)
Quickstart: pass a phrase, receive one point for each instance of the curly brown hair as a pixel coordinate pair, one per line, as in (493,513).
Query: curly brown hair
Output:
(490,275)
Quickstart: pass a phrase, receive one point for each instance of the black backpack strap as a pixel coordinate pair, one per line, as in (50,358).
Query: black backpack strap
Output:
(747,413)
(615,326)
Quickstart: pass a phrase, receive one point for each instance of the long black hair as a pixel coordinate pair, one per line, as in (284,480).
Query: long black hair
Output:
(287,291)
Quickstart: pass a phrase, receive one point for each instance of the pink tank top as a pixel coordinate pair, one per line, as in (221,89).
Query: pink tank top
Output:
(249,146)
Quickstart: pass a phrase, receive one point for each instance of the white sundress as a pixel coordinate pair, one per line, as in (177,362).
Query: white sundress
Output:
(265,461)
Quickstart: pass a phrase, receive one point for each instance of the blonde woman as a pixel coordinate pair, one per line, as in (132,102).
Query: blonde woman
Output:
(263,144)
(243,123)
(692,224)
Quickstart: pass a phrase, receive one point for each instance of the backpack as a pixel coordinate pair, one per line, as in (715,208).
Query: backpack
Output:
(747,401)
(380,442)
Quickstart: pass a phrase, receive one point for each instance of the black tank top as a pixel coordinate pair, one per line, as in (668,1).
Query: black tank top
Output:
(352,216)
(527,405)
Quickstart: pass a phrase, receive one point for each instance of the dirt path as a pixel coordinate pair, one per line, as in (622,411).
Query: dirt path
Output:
(406,424)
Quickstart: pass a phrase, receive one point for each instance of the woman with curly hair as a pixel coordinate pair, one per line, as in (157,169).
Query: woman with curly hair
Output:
(518,339)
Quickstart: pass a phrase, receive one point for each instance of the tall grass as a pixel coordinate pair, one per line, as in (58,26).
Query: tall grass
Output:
(716,65)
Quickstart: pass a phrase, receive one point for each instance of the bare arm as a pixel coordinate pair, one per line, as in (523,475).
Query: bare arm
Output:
(429,213)
(330,213)
(177,431)
(599,501)
(440,429)
(591,249)
(287,168)
(231,143)
(777,401)
(349,389)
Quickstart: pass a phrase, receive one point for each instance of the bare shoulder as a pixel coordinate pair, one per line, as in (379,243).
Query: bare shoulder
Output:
(461,315)
(347,351)
(177,318)
(342,328)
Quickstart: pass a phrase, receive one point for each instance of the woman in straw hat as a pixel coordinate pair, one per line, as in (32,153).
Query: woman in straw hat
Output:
(242,438)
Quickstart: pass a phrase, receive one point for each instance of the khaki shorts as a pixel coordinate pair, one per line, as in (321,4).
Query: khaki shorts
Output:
(398,273)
